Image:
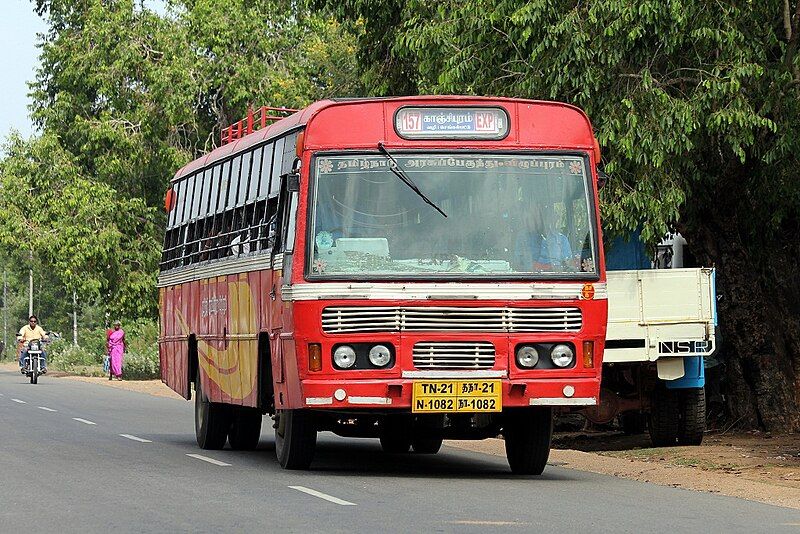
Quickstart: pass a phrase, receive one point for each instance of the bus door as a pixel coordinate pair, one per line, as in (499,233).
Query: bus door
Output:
(284,227)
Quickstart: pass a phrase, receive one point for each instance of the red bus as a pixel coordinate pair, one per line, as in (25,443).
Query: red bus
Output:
(410,269)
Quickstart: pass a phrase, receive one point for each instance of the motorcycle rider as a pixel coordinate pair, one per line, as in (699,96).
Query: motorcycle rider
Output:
(27,333)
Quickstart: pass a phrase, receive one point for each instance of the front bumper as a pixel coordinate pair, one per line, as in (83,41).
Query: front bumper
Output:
(396,394)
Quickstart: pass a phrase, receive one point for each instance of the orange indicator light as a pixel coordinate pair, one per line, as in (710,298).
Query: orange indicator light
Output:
(314,357)
(588,354)
(587,292)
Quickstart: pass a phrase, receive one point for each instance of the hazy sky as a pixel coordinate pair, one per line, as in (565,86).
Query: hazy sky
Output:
(18,58)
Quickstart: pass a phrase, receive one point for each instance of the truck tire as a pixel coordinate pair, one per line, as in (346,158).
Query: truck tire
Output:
(665,416)
(527,433)
(211,420)
(295,438)
(633,423)
(245,429)
(395,434)
(693,416)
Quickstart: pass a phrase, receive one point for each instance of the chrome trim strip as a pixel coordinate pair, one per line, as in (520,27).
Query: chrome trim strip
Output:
(317,401)
(465,375)
(369,400)
(439,291)
(562,401)
(277,262)
(202,271)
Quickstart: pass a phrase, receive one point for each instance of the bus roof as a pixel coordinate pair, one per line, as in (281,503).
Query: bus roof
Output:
(553,133)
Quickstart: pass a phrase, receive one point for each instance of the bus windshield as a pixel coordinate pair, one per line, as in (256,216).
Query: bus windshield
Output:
(520,215)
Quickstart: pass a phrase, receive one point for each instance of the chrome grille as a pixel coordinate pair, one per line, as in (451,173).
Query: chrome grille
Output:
(453,355)
(438,318)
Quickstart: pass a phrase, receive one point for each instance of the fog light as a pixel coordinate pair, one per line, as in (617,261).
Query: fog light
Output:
(527,356)
(344,357)
(569,391)
(562,355)
(379,355)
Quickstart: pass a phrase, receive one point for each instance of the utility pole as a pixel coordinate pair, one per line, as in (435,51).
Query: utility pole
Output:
(30,284)
(74,317)
(5,311)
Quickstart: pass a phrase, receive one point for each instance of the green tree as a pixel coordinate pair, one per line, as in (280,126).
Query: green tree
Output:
(697,107)
(94,241)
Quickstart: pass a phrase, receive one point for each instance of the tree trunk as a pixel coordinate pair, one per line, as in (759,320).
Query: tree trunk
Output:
(758,280)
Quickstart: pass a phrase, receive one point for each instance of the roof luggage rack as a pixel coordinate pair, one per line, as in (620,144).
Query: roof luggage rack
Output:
(254,121)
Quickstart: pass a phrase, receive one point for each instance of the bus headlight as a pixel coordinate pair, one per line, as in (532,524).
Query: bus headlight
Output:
(527,356)
(562,355)
(379,355)
(344,357)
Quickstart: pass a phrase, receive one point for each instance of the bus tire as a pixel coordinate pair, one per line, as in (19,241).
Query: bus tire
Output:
(295,438)
(693,416)
(528,433)
(665,416)
(211,420)
(395,434)
(426,444)
(245,429)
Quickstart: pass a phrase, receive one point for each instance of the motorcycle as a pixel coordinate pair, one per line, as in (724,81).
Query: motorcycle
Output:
(33,362)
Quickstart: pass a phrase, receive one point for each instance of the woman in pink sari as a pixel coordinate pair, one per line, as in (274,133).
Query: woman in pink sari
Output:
(116,348)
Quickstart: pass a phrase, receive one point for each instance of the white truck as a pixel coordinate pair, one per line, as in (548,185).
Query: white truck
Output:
(661,324)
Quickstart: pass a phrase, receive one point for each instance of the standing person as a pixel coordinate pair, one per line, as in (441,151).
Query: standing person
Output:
(116,348)
(27,333)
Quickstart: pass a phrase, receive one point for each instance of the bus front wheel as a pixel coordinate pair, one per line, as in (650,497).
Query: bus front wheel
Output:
(395,434)
(295,438)
(527,433)
(211,420)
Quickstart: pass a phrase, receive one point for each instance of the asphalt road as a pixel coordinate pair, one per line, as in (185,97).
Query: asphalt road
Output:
(79,457)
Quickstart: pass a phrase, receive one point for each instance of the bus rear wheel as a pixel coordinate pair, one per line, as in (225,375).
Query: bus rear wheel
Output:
(211,420)
(245,429)
(527,433)
(295,438)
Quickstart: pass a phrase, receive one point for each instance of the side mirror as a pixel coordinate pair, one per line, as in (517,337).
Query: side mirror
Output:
(293,182)
(602,179)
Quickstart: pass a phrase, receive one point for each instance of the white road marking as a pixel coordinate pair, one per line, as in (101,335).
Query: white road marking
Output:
(134,438)
(83,421)
(207,459)
(321,495)
(45,408)
(19,401)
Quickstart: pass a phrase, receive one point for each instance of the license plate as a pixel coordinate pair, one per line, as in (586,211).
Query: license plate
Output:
(445,396)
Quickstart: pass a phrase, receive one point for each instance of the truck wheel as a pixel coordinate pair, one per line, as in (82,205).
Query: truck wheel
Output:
(211,420)
(693,416)
(664,416)
(245,429)
(427,444)
(633,423)
(527,433)
(295,438)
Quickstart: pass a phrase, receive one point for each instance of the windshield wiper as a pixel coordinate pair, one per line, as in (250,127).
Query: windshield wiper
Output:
(397,171)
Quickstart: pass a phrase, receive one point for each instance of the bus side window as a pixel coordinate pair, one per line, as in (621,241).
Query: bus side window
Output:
(268,226)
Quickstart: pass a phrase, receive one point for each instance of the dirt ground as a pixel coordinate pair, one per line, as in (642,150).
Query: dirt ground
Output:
(755,466)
